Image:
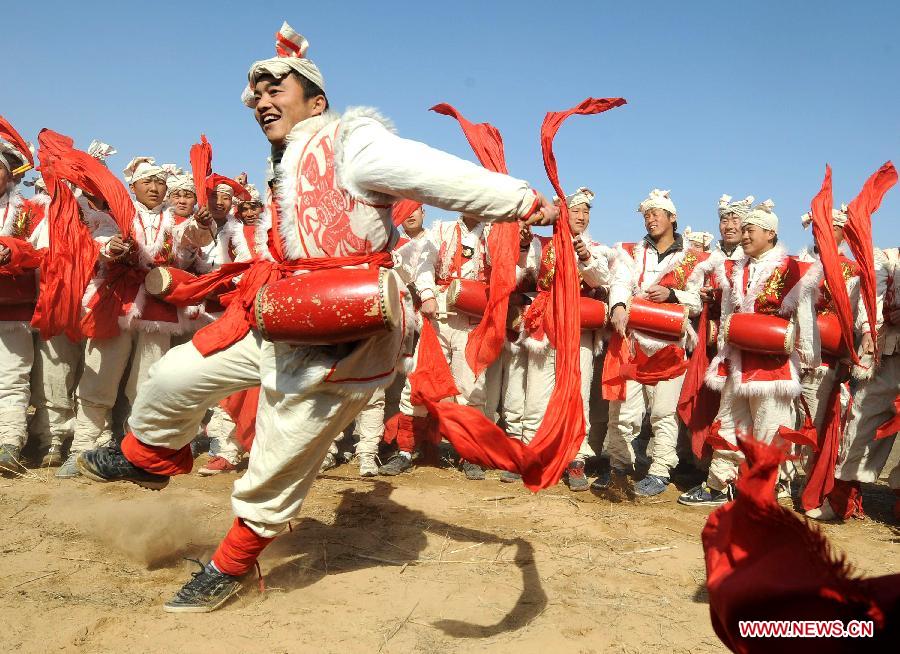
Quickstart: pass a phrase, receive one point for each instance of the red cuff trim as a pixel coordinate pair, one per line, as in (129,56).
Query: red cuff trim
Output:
(158,460)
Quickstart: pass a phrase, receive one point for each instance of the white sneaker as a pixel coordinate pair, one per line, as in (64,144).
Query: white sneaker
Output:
(783,491)
(328,463)
(824,513)
(367,465)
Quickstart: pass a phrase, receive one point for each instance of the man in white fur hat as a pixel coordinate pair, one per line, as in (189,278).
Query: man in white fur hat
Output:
(661,268)
(758,389)
(333,211)
(137,329)
(593,266)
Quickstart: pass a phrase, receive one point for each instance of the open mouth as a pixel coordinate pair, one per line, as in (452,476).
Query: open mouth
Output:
(268,120)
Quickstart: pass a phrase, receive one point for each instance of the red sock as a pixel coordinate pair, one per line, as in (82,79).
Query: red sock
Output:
(239,549)
(158,460)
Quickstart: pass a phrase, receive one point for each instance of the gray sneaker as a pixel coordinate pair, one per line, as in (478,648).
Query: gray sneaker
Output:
(473,471)
(575,477)
(53,458)
(508,477)
(69,469)
(395,465)
(206,591)
(328,463)
(11,461)
(651,485)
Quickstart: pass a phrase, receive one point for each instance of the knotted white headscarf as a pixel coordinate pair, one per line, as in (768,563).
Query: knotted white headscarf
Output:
(658,199)
(703,239)
(762,216)
(143,168)
(739,207)
(838,217)
(583,195)
(290,48)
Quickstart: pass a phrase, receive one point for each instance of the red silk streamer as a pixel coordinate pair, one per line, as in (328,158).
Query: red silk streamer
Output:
(486,340)
(88,174)
(241,407)
(662,365)
(215,179)
(698,404)
(765,563)
(432,378)
(612,383)
(858,233)
(823,234)
(403,209)
(890,426)
(820,481)
(68,267)
(22,256)
(8,133)
(201,167)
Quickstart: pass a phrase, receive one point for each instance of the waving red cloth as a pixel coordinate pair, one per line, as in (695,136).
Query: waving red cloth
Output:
(241,407)
(823,234)
(88,174)
(432,378)
(820,481)
(612,383)
(22,256)
(486,340)
(403,209)
(765,563)
(698,404)
(68,267)
(201,168)
(891,426)
(8,133)
(664,364)
(858,233)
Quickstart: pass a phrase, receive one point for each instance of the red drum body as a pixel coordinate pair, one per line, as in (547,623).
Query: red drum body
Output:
(760,333)
(161,281)
(329,306)
(593,313)
(18,289)
(661,320)
(467,296)
(830,335)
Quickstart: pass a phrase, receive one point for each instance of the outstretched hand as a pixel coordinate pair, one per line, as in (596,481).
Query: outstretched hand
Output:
(545,214)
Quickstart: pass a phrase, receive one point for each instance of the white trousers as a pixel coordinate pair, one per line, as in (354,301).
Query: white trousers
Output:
(57,366)
(540,382)
(627,416)
(297,419)
(368,428)
(105,363)
(513,368)
(16,360)
(816,390)
(862,458)
(759,415)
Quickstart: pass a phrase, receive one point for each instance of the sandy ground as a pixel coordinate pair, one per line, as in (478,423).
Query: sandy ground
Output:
(425,562)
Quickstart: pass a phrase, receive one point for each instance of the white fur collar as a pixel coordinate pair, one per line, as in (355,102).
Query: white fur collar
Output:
(157,223)
(744,300)
(10,205)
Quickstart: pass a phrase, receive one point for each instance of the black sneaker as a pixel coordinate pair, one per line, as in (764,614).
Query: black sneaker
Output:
(106,464)
(607,477)
(395,465)
(508,477)
(11,461)
(703,495)
(206,591)
(473,471)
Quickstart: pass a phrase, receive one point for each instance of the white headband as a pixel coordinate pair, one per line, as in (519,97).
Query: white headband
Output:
(762,216)
(838,217)
(657,199)
(703,239)
(143,168)
(740,207)
(583,195)
(291,50)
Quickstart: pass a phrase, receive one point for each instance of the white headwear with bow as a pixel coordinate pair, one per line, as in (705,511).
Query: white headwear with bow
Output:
(583,195)
(739,207)
(838,217)
(290,48)
(703,239)
(658,199)
(762,216)
(143,168)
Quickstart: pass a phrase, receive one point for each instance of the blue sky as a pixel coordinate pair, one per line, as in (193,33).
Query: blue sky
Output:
(734,98)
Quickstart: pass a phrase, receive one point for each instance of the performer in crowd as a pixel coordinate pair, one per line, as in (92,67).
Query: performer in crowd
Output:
(309,393)
(661,269)
(757,388)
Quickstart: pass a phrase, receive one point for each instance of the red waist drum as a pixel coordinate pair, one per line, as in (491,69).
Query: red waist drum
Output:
(161,281)
(593,313)
(663,320)
(18,289)
(329,306)
(830,335)
(757,332)
(467,296)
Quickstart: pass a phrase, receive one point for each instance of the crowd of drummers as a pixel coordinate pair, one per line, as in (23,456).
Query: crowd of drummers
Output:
(690,341)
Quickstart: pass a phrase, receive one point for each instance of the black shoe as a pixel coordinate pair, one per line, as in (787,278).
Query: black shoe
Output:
(607,477)
(208,590)
(508,477)
(395,465)
(105,464)
(473,471)
(703,495)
